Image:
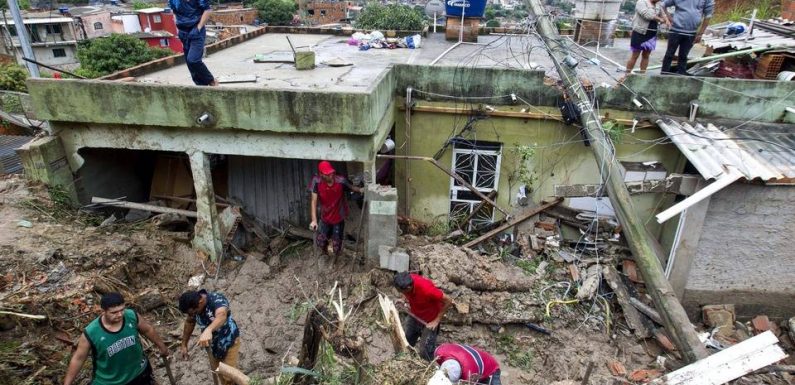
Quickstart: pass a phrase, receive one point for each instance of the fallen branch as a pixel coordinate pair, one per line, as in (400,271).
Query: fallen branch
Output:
(233,374)
(23,315)
(512,223)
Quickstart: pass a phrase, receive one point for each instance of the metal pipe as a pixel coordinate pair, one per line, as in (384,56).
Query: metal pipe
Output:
(24,40)
(453,175)
(29,60)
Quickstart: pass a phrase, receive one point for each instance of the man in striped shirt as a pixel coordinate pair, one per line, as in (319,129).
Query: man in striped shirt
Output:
(465,363)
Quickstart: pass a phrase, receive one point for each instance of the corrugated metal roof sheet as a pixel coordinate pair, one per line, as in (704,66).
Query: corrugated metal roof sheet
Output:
(11,164)
(762,152)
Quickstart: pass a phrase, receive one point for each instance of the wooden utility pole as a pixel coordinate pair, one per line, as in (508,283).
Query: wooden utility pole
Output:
(644,247)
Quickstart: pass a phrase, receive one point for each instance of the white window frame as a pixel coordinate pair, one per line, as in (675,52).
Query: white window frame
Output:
(485,190)
(163,42)
(156,19)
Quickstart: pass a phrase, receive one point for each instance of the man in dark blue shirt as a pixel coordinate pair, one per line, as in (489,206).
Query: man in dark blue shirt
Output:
(219,331)
(192,15)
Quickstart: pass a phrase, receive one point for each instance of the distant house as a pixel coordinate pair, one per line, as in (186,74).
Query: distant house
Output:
(53,39)
(92,22)
(159,28)
(125,23)
(234,16)
(324,12)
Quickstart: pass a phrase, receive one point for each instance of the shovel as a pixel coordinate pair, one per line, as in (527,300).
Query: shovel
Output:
(167,364)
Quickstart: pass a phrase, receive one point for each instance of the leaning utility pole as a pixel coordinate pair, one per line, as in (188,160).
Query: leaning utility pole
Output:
(644,247)
(24,40)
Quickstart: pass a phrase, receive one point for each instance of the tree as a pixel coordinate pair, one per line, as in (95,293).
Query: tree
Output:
(276,12)
(12,77)
(492,23)
(490,13)
(137,4)
(102,56)
(395,17)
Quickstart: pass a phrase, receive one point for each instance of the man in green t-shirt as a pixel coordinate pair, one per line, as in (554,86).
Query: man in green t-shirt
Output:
(115,346)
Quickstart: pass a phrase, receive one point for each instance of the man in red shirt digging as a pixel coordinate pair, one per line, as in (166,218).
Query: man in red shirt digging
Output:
(427,307)
(329,189)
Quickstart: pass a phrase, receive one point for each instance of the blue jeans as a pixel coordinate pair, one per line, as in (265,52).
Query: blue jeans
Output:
(193,47)
(683,42)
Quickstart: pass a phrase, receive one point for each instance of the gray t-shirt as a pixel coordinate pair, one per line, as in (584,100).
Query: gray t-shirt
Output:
(689,13)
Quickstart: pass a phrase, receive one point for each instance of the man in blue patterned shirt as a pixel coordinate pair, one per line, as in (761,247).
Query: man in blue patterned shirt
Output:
(211,311)
(192,15)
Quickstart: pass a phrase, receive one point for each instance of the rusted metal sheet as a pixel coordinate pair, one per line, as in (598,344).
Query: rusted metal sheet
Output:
(9,160)
(274,190)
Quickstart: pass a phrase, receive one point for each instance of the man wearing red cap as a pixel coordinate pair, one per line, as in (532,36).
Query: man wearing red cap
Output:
(330,188)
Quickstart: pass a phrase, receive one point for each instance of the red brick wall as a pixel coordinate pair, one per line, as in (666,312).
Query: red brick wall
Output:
(325,13)
(788,9)
(244,16)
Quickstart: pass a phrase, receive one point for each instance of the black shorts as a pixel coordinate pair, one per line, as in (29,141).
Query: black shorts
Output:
(145,378)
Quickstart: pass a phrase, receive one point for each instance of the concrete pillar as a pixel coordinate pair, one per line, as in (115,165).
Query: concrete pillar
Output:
(685,251)
(381,220)
(44,160)
(207,234)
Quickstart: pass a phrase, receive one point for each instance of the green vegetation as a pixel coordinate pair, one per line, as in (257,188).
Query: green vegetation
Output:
(522,173)
(333,371)
(12,78)
(140,5)
(298,310)
(517,357)
(765,9)
(390,17)
(275,12)
(529,266)
(615,130)
(492,23)
(103,56)
(494,11)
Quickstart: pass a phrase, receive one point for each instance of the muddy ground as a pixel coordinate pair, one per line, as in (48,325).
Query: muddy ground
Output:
(57,266)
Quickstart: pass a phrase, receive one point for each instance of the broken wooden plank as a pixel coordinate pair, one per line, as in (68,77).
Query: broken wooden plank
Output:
(23,315)
(590,283)
(728,364)
(622,296)
(513,222)
(141,206)
(392,320)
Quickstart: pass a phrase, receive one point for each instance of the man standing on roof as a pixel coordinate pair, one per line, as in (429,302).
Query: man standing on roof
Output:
(192,15)
(219,331)
(329,189)
(427,306)
(465,363)
(691,18)
(113,340)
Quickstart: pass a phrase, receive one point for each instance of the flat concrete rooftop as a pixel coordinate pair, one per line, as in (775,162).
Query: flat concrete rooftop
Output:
(492,51)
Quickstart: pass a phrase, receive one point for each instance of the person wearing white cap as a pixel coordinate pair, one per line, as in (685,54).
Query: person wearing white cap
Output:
(458,362)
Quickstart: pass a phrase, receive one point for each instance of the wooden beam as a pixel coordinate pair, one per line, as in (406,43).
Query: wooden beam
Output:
(512,223)
(141,206)
(622,296)
(645,248)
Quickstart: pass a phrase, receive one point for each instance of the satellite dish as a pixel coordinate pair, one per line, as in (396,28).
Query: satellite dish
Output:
(434,6)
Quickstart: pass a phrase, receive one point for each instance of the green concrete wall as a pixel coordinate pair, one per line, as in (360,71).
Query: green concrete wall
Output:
(139,104)
(560,159)
(475,82)
(759,100)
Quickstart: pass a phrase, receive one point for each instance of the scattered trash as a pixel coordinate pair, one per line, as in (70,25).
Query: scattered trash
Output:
(108,221)
(196,280)
(24,223)
(337,62)
(617,368)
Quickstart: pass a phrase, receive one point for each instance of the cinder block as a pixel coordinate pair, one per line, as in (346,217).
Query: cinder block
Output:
(382,225)
(44,160)
(393,258)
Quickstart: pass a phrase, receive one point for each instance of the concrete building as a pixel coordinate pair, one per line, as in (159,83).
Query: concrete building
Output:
(126,23)
(234,16)
(92,22)
(53,39)
(324,12)
(159,27)
(257,142)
